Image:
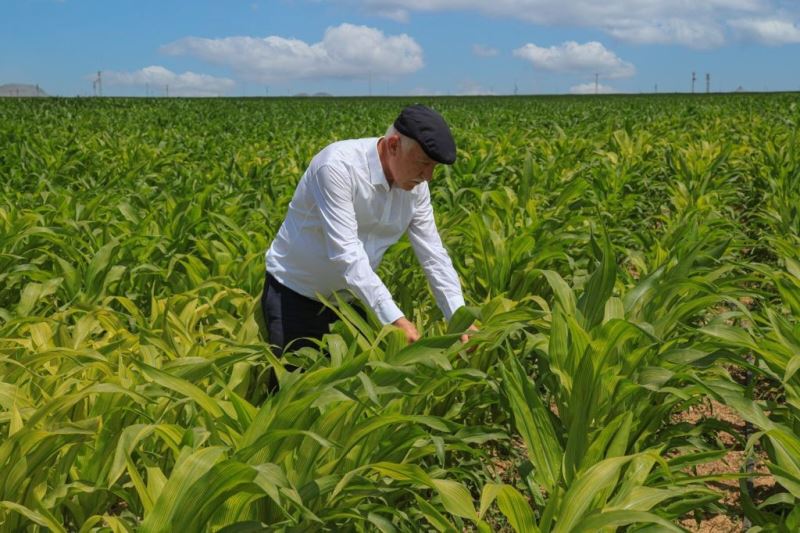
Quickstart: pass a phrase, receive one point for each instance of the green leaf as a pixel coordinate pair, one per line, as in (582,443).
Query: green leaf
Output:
(730,334)
(183,387)
(462,319)
(615,519)
(532,421)
(33,292)
(189,468)
(562,291)
(33,516)
(427,351)
(512,504)
(592,302)
(98,265)
(432,515)
(456,498)
(579,499)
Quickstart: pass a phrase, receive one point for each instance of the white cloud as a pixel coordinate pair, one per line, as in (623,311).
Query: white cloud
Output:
(158,78)
(590,88)
(591,57)
(472,88)
(346,51)
(395,14)
(692,33)
(424,91)
(772,31)
(484,51)
(694,23)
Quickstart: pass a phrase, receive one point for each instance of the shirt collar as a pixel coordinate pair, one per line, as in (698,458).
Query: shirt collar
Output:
(376,175)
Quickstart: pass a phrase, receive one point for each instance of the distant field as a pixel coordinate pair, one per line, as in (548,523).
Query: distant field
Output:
(633,263)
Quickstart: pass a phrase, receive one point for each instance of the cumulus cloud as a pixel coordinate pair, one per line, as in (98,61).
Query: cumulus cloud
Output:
(770,31)
(346,51)
(158,78)
(697,24)
(572,57)
(484,51)
(590,88)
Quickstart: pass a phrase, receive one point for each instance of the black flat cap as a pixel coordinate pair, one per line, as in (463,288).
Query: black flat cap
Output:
(429,129)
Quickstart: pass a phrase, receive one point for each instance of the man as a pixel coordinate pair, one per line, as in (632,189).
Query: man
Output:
(356,199)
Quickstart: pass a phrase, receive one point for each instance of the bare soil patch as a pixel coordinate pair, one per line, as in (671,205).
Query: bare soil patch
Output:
(733,462)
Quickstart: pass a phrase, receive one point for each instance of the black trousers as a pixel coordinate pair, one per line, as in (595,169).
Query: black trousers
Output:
(292,318)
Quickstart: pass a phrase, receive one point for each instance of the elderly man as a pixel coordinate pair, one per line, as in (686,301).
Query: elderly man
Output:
(356,199)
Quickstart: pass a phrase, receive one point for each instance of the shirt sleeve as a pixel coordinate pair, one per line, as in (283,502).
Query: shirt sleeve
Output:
(434,259)
(332,190)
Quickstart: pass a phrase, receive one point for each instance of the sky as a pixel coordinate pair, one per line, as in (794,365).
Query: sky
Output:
(398,47)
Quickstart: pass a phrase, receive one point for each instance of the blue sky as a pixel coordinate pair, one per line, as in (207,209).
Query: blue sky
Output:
(398,47)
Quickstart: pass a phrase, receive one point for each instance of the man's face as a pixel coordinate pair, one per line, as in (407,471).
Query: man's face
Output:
(410,166)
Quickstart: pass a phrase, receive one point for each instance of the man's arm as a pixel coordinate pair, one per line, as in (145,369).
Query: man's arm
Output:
(434,259)
(332,190)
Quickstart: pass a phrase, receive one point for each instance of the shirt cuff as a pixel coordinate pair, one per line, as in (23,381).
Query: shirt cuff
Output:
(387,312)
(451,305)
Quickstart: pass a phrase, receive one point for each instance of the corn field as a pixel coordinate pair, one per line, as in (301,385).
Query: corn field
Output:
(631,262)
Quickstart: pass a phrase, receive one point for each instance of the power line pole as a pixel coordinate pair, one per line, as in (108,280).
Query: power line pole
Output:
(596,83)
(167,90)
(694,79)
(97,85)
(708,83)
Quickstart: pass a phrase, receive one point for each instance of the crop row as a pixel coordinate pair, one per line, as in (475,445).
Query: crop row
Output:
(628,259)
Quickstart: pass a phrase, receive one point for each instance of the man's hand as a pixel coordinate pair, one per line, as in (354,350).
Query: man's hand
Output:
(470,330)
(408,328)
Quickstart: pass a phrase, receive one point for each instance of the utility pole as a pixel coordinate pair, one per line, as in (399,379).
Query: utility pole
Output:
(596,83)
(167,90)
(97,85)
(370,83)
(694,79)
(708,83)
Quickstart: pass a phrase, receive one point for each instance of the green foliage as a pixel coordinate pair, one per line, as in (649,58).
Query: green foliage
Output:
(626,258)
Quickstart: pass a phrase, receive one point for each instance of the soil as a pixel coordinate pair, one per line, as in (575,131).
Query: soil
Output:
(732,462)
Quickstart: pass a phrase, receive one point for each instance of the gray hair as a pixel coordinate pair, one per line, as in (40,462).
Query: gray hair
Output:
(405,141)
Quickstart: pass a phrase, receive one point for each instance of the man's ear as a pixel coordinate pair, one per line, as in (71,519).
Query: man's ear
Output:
(393,143)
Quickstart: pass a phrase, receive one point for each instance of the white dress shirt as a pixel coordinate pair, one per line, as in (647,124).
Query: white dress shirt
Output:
(342,219)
